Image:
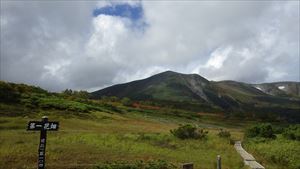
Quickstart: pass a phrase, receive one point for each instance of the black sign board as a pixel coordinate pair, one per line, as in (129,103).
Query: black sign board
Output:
(39,125)
(42,126)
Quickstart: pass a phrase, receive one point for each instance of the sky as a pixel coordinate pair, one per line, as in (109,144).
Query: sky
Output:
(90,45)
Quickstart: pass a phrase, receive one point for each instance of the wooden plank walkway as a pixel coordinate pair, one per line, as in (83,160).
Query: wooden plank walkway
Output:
(248,158)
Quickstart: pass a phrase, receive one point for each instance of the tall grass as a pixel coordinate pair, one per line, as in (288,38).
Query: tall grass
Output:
(280,153)
(109,137)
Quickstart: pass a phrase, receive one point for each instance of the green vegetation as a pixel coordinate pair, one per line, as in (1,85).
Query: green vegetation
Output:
(126,101)
(153,164)
(264,130)
(114,132)
(192,92)
(224,133)
(292,132)
(279,153)
(105,133)
(102,137)
(189,132)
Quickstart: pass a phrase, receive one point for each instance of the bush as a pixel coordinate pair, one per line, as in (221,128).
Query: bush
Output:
(8,94)
(224,133)
(112,108)
(292,132)
(61,104)
(126,101)
(189,132)
(252,132)
(264,130)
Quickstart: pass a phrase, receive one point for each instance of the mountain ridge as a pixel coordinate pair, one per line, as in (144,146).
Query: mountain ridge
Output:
(193,90)
(185,77)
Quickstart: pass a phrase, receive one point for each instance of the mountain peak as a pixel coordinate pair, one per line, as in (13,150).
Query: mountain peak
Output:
(169,72)
(174,86)
(168,85)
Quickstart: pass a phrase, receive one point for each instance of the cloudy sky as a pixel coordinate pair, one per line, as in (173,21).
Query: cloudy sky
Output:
(90,45)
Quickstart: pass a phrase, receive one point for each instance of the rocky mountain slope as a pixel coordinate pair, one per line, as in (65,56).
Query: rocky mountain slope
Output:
(279,97)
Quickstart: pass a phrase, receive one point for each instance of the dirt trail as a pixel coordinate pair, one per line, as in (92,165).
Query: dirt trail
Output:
(248,158)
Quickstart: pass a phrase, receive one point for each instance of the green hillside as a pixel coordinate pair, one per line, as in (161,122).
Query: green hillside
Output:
(121,133)
(193,92)
(169,85)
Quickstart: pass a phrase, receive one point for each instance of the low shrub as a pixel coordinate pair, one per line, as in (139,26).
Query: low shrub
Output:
(112,108)
(224,133)
(61,104)
(292,132)
(264,130)
(8,94)
(189,132)
(126,101)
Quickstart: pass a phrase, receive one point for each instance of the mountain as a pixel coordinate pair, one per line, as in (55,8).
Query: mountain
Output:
(175,86)
(192,90)
(164,86)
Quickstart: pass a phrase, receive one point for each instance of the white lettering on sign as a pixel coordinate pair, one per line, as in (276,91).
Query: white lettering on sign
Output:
(46,126)
(41,163)
(32,125)
(42,140)
(53,126)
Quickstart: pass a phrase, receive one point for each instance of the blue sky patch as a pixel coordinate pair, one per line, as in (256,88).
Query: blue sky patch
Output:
(123,10)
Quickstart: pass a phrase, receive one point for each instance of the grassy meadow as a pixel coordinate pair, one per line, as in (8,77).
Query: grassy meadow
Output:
(93,133)
(101,137)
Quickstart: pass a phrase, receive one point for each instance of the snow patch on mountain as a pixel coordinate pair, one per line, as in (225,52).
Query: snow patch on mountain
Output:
(258,88)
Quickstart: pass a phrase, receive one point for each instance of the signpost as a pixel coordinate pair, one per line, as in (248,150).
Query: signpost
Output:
(42,126)
(218,162)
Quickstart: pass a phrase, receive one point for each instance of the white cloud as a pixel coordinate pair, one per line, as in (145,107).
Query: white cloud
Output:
(217,58)
(140,74)
(251,41)
(108,31)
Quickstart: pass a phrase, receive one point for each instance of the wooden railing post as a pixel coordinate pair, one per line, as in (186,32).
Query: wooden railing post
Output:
(219,162)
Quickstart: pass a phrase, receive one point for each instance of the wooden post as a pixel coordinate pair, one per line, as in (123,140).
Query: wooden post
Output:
(42,145)
(187,166)
(219,162)
(42,126)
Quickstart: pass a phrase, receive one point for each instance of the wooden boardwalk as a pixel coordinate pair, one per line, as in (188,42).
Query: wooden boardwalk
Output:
(248,158)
